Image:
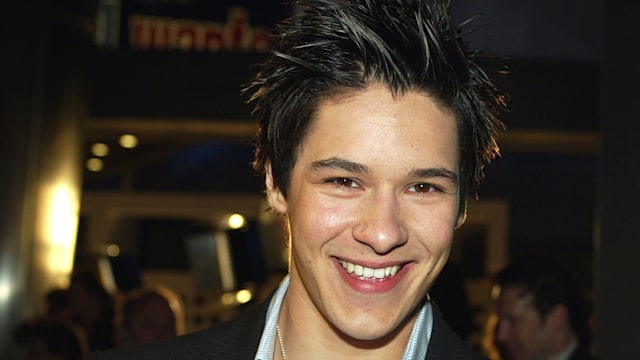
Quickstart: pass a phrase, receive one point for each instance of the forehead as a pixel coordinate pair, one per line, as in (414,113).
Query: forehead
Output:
(378,93)
(410,119)
(515,300)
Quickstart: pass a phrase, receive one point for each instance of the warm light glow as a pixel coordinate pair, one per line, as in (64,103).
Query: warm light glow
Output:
(128,141)
(57,231)
(63,219)
(113,250)
(100,149)
(236,221)
(243,296)
(495,291)
(95,164)
(5,290)
(228,299)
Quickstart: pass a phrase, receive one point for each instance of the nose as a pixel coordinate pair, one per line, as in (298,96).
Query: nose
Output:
(381,225)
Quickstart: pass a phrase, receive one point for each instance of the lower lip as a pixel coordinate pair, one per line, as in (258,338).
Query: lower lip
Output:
(370,285)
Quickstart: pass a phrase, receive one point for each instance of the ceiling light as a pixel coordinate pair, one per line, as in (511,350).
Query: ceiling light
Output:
(128,141)
(236,221)
(100,149)
(95,164)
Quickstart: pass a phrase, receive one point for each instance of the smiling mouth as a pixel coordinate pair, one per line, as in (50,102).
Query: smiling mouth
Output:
(370,273)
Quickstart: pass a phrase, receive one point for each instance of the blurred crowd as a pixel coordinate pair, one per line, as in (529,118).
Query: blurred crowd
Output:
(85,317)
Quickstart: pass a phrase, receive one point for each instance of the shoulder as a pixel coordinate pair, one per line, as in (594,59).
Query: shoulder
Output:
(235,339)
(445,343)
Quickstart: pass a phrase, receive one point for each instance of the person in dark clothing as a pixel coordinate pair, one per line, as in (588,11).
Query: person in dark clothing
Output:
(542,314)
(92,308)
(51,339)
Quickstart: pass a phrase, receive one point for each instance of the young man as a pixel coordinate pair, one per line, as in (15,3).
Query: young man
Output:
(375,124)
(541,311)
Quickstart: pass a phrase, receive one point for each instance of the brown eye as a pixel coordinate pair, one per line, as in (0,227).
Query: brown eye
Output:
(424,188)
(344,182)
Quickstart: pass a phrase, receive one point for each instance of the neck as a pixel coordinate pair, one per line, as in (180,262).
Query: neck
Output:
(302,339)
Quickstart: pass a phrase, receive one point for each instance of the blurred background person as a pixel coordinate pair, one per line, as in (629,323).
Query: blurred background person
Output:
(57,304)
(51,339)
(149,315)
(541,311)
(92,308)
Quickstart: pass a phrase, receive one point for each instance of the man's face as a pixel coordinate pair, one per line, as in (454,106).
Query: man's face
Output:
(522,333)
(372,206)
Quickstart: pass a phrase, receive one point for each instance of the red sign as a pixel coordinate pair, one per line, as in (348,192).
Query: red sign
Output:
(148,32)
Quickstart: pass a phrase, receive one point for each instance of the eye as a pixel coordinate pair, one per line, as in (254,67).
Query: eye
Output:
(344,182)
(424,188)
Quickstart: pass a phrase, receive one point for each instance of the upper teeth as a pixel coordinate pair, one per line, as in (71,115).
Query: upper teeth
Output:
(367,272)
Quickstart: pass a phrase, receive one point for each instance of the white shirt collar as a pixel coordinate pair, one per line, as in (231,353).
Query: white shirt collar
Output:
(567,352)
(416,347)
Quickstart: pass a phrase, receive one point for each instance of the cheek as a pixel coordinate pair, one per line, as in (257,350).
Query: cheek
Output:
(319,221)
(435,227)
(336,217)
(315,223)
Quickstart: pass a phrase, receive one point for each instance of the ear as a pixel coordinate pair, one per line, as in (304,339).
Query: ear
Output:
(275,198)
(462,215)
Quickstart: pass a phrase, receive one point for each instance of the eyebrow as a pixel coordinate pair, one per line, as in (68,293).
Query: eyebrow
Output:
(341,164)
(438,172)
(358,168)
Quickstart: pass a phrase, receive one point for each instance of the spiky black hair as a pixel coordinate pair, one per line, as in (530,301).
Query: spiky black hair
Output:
(332,47)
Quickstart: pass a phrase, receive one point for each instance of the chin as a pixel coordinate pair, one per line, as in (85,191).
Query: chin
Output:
(368,330)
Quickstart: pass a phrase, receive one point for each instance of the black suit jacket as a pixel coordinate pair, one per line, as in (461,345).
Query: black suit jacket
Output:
(238,340)
(582,353)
